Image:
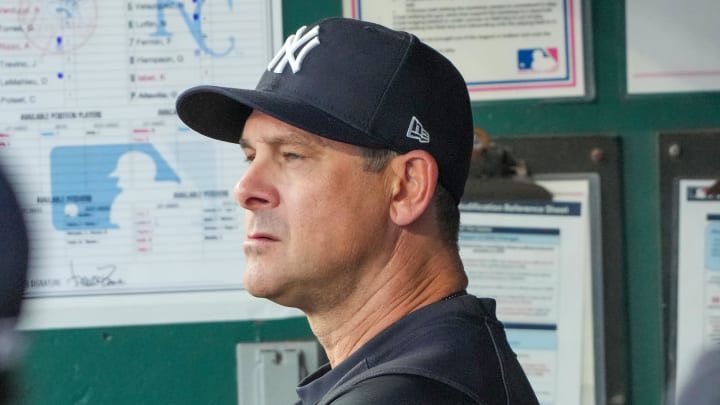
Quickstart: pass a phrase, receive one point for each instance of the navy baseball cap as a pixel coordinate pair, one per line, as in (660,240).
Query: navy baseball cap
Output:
(355,82)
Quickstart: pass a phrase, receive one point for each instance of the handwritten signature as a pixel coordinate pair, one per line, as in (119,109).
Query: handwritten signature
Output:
(103,280)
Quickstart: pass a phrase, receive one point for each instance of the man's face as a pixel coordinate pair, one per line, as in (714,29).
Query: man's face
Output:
(315,219)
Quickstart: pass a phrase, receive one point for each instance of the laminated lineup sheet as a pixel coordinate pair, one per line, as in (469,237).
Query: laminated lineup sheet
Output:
(505,49)
(122,201)
(698,275)
(534,259)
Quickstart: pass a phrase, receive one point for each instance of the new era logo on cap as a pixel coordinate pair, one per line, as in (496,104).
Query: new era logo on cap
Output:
(417,132)
(305,41)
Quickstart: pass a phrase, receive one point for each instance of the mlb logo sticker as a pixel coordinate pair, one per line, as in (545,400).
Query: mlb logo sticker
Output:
(537,59)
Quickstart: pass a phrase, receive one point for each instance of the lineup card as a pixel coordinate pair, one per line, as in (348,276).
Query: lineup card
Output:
(119,196)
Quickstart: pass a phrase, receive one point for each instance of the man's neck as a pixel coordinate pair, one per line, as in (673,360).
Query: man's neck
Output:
(406,284)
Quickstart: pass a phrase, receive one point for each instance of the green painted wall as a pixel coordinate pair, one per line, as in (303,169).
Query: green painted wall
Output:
(195,364)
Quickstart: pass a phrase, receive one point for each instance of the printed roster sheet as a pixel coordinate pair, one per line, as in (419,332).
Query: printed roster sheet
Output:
(534,259)
(131,215)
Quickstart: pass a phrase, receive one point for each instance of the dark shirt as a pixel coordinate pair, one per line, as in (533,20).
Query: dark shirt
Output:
(453,351)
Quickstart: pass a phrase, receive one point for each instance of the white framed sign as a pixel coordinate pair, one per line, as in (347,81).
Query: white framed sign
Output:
(505,49)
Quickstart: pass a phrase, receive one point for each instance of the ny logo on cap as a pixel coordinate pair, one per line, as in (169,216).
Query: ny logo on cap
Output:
(417,132)
(305,41)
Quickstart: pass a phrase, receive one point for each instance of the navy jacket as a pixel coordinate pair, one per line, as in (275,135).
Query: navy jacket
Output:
(453,351)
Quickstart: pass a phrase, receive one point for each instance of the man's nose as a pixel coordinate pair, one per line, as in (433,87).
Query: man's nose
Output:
(255,189)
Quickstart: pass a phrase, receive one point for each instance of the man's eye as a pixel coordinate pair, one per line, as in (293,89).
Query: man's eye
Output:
(291,156)
(249,158)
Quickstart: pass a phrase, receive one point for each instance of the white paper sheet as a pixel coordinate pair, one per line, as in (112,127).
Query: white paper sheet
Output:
(672,46)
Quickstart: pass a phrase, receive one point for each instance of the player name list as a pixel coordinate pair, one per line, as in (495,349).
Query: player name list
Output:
(60,54)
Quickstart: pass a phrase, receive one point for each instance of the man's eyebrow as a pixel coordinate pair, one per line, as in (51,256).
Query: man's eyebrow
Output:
(286,138)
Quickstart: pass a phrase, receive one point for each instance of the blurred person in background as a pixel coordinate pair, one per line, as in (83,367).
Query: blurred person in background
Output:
(13,270)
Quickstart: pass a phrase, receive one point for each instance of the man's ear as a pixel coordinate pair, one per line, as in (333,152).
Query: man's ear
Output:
(415,175)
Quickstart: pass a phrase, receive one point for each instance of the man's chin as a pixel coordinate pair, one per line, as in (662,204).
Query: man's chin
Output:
(261,289)
(280,297)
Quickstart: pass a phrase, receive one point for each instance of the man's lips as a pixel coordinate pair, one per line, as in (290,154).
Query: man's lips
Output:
(261,237)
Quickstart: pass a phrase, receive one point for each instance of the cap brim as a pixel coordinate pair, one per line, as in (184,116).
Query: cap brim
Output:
(221,113)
